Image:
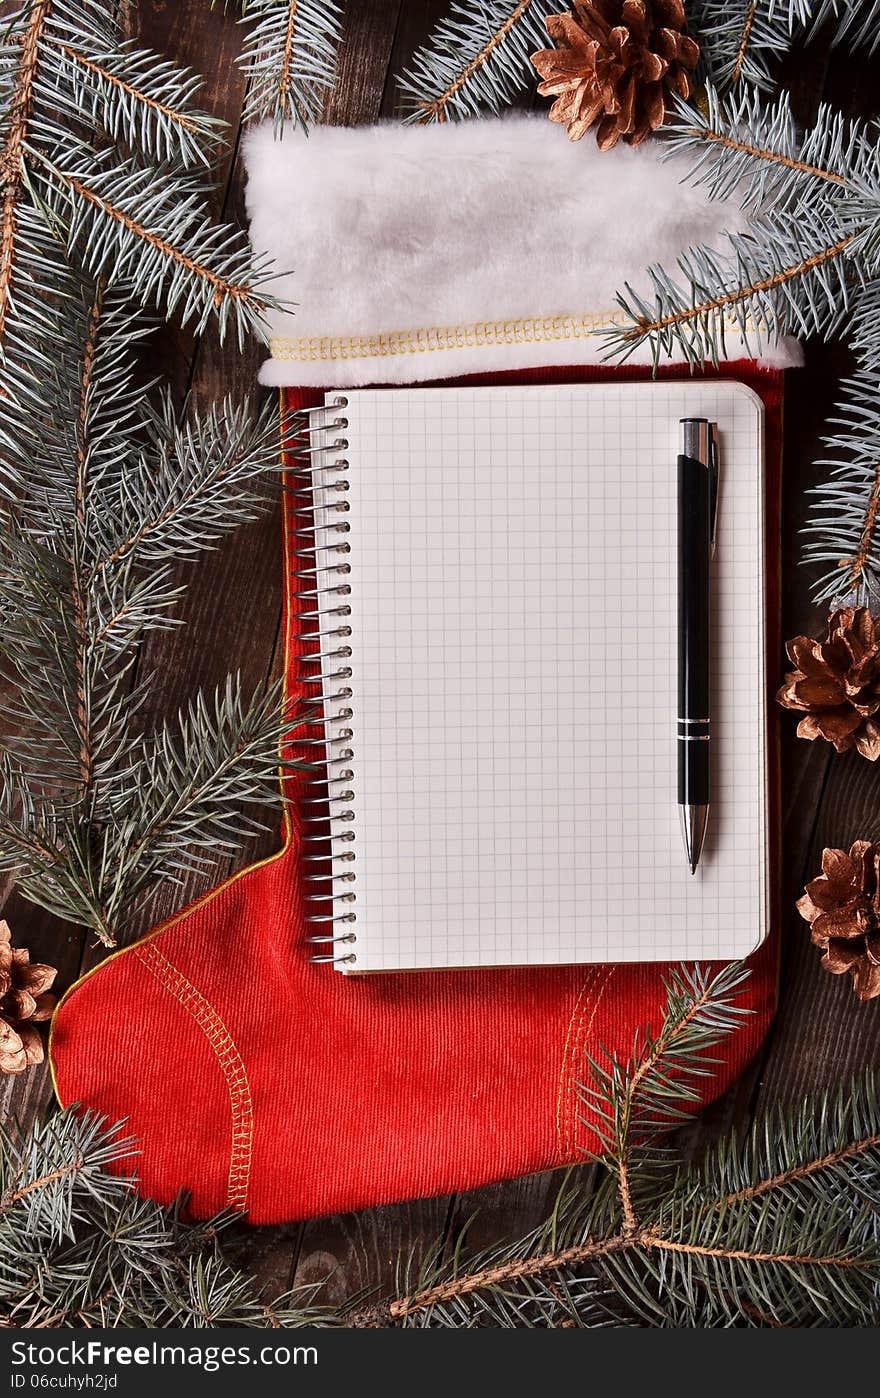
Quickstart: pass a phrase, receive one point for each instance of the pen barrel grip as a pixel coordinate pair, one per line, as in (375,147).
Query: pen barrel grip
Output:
(694,633)
(693,773)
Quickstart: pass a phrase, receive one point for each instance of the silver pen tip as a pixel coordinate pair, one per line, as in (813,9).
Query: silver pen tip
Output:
(694,820)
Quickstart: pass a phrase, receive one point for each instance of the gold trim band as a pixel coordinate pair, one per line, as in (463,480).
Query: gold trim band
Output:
(499,332)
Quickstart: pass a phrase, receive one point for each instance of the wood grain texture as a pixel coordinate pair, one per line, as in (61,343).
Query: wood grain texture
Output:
(416,23)
(367,39)
(232,612)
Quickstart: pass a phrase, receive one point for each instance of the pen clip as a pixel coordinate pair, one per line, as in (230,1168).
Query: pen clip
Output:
(714,470)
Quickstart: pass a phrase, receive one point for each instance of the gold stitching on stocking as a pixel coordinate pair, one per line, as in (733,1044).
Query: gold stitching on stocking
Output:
(575,1040)
(229,1058)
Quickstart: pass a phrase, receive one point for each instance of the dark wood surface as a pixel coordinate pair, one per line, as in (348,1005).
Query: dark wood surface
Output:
(232,612)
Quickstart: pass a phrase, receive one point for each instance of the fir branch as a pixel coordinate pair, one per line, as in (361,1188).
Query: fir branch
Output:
(864,340)
(100,143)
(476,59)
(489,1278)
(79,1248)
(112,488)
(185,800)
(156,236)
(639,1243)
(860,215)
(44,1173)
(744,147)
(808,263)
(791,298)
(841,530)
(173,130)
(26,822)
(856,22)
(794,1174)
(16,122)
(653,1258)
(741,40)
(289,58)
(810,246)
(857,566)
(753,152)
(139,99)
(207,476)
(104,206)
(634,1103)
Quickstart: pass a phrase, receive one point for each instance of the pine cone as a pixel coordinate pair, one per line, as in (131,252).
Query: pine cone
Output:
(614,64)
(837,683)
(842,907)
(23,1004)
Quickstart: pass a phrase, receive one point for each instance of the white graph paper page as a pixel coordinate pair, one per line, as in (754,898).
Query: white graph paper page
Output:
(513,594)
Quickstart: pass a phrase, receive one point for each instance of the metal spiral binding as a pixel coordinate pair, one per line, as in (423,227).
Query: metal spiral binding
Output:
(320,568)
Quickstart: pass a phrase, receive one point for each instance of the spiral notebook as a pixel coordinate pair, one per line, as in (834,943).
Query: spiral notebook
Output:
(496,609)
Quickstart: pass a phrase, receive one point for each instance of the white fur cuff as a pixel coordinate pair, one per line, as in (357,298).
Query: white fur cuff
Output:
(415,253)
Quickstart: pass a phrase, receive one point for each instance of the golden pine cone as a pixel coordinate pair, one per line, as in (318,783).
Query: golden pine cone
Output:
(614,64)
(837,683)
(842,907)
(24,1003)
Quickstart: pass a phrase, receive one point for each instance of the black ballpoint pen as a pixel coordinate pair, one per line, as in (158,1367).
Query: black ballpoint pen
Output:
(697,501)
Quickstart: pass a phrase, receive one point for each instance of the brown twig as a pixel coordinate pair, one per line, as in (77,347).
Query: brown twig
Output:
(437,107)
(285,80)
(79,589)
(858,564)
(271,1317)
(800,1172)
(401,1307)
(12,157)
(630,1221)
(744,43)
(562,1301)
(789,1259)
(707,133)
(16,1195)
(624,1189)
(503,1274)
(760,1318)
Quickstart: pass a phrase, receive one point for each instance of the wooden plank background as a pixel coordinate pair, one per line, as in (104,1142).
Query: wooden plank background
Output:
(232,612)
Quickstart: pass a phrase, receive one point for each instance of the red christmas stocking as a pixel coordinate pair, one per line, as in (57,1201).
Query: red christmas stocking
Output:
(294,1091)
